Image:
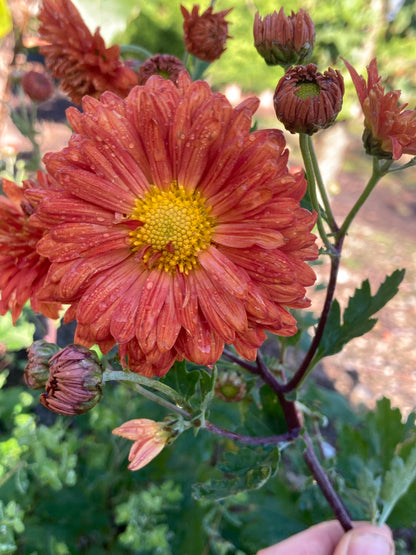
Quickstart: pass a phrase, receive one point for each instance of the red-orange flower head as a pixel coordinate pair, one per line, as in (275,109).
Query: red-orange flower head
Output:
(78,58)
(205,35)
(74,384)
(22,269)
(390,130)
(37,85)
(165,65)
(174,229)
(284,40)
(306,101)
(149,439)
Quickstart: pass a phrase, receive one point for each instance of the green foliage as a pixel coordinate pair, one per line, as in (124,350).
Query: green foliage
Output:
(16,337)
(246,470)
(377,459)
(145,517)
(66,479)
(357,316)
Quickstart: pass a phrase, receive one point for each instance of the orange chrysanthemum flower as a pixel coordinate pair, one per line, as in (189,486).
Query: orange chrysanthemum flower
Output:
(22,269)
(78,58)
(149,439)
(175,229)
(205,35)
(390,130)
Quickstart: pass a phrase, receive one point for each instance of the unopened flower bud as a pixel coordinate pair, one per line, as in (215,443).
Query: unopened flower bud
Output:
(149,439)
(284,40)
(164,65)
(36,372)
(37,85)
(230,387)
(306,101)
(205,35)
(74,384)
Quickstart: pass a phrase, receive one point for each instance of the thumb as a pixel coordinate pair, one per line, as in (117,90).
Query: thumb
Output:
(366,540)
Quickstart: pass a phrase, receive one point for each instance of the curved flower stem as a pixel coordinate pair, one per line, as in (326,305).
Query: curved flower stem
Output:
(294,425)
(325,485)
(136,380)
(304,143)
(250,440)
(140,381)
(244,364)
(306,365)
(135,49)
(321,186)
(379,170)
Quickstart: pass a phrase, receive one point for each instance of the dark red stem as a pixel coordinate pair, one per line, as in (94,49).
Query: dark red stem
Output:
(302,371)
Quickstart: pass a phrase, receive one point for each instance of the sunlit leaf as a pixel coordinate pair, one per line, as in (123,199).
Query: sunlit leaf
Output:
(357,318)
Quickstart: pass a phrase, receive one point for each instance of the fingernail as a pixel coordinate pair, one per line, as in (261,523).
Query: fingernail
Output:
(367,544)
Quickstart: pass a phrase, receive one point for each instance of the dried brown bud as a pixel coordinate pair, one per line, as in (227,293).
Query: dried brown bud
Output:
(37,85)
(306,100)
(205,35)
(230,387)
(164,65)
(74,384)
(37,368)
(284,40)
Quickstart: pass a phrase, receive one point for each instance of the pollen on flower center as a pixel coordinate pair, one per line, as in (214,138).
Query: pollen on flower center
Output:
(175,225)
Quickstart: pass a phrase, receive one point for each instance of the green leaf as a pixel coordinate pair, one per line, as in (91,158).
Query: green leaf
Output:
(189,380)
(377,459)
(357,316)
(15,337)
(397,481)
(111,17)
(246,470)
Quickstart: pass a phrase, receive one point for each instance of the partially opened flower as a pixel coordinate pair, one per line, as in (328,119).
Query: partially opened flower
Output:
(284,39)
(390,130)
(149,439)
(74,383)
(22,269)
(164,65)
(79,58)
(306,101)
(205,35)
(174,230)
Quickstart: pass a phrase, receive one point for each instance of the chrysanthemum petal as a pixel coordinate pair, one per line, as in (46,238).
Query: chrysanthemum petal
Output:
(155,290)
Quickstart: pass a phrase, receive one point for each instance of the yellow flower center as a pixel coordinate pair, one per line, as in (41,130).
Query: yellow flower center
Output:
(175,226)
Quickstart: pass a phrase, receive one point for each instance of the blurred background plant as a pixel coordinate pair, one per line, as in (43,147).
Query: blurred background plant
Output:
(64,487)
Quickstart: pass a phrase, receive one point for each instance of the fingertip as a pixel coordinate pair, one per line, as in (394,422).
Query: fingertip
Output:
(366,540)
